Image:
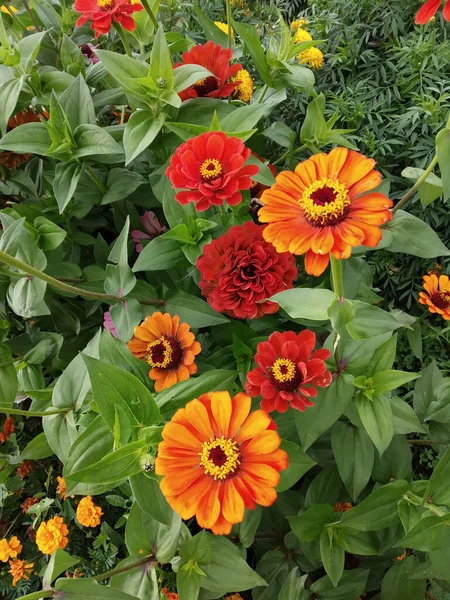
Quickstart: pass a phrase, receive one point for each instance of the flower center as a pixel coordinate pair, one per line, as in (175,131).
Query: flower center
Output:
(220,457)
(285,375)
(325,202)
(205,86)
(164,353)
(210,169)
(105,3)
(441,299)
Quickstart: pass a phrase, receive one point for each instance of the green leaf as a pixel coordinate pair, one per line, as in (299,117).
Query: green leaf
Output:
(8,378)
(9,95)
(309,525)
(72,59)
(140,131)
(354,454)
(67,176)
(26,297)
(116,352)
(397,583)
(424,391)
(351,586)
(413,236)
(405,419)
(332,556)
(280,133)
(250,37)
(188,584)
(376,416)
(438,490)
(122,67)
(244,118)
(141,582)
(294,588)
(51,236)
(299,464)
(249,526)
(193,310)
(29,48)
(395,462)
(150,498)
(88,589)
(328,407)
(371,320)
(30,138)
(305,303)
(161,59)
(443,155)
(384,357)
(37,448)
(378,510)
(94,140)
(187,75)
(77,103)
(61,432)
(208,27)
(159,255)
(385,381)
(426,535)
(59,562)
(113,386)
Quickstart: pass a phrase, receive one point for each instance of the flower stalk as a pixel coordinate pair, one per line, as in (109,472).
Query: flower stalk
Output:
(118,27)
(416,186)
(134,565)
(150,13)
(337,276)
(31,15)
(229,19)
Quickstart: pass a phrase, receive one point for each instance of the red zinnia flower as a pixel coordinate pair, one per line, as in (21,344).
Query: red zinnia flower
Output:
(429,9)
(216,60)
(210,169)
(288,371)
(104,12)
(240,270)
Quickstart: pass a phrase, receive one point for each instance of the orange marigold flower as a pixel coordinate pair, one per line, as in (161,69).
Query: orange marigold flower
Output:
(343,506)
(88,514)
(10,549)
(9,159)
(52,535)
(24,468)
(27,503)
(401,556)
(168,346)
(436,295)
(319,209)
(20,569)
(217,458)
(104,13)
(61,488)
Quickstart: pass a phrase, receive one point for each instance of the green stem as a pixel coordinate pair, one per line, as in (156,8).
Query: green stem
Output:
(263,93)
(228,3)
(96,179)
(337,276)
(31,15)
(418,501)
(288,153)
(138,563)
(416,186)
(14,17)
(150,13)
(124,39)
(27,413)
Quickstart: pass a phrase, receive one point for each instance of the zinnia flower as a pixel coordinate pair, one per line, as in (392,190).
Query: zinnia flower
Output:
(429,9)
(288,371)
(216,60)
(342,507)
(7,430)
(436,295)
(24,468)
(88,514)
(20,569)
(104,12)
(224,27)
(209,169)
(108,324)
(218,458)
(244,89)
(168,346)
(320,208)
(10,549)
(28,503)
(169,595)
(52,535)
(153,228)
(11,160)
(239,270)
(312,57)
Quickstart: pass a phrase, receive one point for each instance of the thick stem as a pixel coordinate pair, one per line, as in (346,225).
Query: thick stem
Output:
(150,13)
(228,3)
(27,413)
(263,93)
(124,39)
(98,182)
(337,276)
(288,153)
(416,186)
(31,15)
(124,569)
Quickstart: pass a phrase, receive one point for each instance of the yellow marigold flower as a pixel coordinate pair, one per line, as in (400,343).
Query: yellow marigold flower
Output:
(8,10)
(295,25)
(402,556)
(88,514)
(244,91)
(10,549)
(61,488)
(302,36)
(312,57)
(224,27)
(20,569)
(52,535)
(343,506)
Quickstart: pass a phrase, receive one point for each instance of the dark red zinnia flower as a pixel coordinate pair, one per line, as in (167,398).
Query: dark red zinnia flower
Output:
(104,12)
(240,270)
(429,9)
(288,371)
(216,59)
(11,160)
(210,169)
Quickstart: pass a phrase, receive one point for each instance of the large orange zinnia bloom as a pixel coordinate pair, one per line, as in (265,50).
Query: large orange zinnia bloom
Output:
(168,346)
(218,458)
(436,295)
(319,208)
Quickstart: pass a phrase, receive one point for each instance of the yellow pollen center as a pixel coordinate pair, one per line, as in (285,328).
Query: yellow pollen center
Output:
(220,457)
(105,3)
(283,370)
(210,169)
(166,353)
(325,202)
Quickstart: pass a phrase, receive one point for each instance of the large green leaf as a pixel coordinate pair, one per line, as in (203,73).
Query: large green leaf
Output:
(305,303)
(141,582)
(351,586)
(77,103)
(28,138)
(193,310)
(299,464)
(443,155)
(140,131)
(8,378)
(150,498)
(159,255)
(438,490)
(376,416)
(88,589)
(398,584)
(413,236)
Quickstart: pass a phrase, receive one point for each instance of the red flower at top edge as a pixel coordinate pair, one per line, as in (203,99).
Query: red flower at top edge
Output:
(429,9)
(104,12)
(216,59)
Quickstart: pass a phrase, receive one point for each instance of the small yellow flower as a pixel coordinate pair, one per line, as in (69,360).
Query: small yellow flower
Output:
(10,549)
(20,569)
(8,10)
(302,36)
(295,25)
(312,57)
(224,27)
(244,91)
(88,514)
(52,535)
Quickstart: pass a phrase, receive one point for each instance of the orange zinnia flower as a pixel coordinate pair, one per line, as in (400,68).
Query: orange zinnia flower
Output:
(88,514)
(437,295)
(20,569)
(319,208)
(52,535)
(10,549)
(217,458)
(168,346)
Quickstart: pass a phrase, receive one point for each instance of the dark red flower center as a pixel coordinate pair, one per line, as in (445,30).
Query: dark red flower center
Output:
(325,202)
(210,169)
(164,353)
(441,300)
(323,196)
(285,375)
(206,86)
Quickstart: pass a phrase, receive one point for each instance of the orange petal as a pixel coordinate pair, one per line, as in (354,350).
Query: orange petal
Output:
(138,347)
(367,183)
(199,419)
(221,526)
(177,482)
(278,459)
(241,405)
(355,168)
(262,494)
(180,437)
(290,182)
(232,504)
(256,422)
(221,410)
(336,160)
(186,504)
(208,509)
(315,264)
(182,373)
(306,170)
(265,474)
(443,283)
(323,241)
(320,161)
(143,332)
(263,443)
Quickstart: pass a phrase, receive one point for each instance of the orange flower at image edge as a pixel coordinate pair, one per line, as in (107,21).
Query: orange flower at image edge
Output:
(218,458)
(436,295)
(319,209)
(168,346)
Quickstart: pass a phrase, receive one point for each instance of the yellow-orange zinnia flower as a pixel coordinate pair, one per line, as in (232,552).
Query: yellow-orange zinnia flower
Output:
(10,549)
(88,514)
(20,569)
(436,295)
(52,535)
(319,209)
(168,346)
(217,458)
